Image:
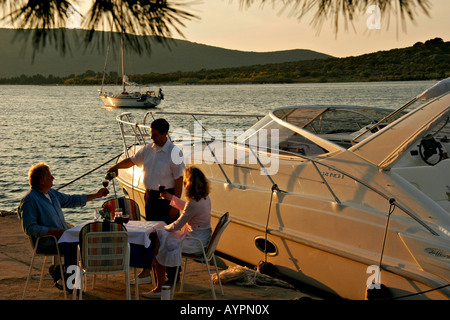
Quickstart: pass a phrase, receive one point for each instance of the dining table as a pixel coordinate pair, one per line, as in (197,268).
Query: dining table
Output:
(139,232)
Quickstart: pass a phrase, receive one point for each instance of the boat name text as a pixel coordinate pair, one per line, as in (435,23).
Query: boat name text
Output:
(332,174)
(437,253)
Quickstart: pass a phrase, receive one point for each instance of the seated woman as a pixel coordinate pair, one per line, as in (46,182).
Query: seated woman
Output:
(196,215)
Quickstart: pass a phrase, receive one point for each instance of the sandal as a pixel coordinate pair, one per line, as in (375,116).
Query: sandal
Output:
(61,287)
(58,285)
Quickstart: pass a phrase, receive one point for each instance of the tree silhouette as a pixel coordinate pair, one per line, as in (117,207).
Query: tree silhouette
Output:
(135,19)
(138,19)
(347,10)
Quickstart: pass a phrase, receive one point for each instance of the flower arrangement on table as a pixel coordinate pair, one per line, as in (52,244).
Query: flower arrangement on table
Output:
(105,212)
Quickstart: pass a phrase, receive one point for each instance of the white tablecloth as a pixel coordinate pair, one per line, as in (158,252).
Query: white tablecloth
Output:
(138,232)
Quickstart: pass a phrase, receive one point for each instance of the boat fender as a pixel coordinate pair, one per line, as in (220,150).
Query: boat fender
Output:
(380,293)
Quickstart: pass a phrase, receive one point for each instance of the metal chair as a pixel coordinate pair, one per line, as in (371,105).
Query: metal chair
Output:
(103,249)
(206,256)
(128,206)
(46,255)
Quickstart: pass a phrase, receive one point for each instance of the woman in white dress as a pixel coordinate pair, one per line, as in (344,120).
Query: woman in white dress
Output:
(195,215)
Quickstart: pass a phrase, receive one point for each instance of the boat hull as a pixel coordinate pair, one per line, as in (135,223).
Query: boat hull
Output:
(321,243)
(325,268)
(339,218)
(130,101)
(313,240)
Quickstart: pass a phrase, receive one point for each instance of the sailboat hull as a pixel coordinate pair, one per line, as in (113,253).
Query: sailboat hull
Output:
(130,100)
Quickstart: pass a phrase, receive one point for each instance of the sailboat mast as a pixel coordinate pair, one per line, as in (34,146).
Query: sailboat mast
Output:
(123,72)
(106,61)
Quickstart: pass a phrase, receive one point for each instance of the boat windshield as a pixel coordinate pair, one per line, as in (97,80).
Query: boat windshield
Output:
(332,119)
(267,132)
(314,130)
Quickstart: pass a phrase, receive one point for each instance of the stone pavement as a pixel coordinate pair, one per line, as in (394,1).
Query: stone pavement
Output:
(15,258)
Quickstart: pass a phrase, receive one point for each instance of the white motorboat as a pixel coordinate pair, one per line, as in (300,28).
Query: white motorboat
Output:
(343,198)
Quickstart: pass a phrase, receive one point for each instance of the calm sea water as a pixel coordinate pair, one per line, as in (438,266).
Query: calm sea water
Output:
(68,128)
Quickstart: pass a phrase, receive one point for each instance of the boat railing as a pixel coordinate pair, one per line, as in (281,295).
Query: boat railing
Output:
(194,115)
(385,119)
(139,136)
(139,133)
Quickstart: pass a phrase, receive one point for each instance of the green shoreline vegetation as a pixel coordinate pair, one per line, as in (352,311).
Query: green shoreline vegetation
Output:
(422,61)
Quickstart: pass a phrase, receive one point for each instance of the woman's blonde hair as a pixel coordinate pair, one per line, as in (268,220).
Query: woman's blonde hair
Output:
(37,173)
(195,183)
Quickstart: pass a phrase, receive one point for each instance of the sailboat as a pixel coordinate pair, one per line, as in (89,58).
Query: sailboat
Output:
(143,97)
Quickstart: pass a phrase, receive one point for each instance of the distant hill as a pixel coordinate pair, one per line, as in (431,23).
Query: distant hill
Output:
(189,63)
(422,61)
(15,58)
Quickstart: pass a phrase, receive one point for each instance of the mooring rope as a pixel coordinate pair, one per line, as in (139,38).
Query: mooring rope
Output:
(90,171)
(391,210)
(421,292)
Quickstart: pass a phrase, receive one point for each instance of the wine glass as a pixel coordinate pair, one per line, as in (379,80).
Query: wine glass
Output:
(105,183)
(126,218)
(97,214)
(118,216)
(161,190)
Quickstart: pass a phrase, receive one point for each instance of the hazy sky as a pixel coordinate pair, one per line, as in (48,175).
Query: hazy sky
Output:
(224,24)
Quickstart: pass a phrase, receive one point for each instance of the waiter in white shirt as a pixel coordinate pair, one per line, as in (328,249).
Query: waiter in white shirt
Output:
(163,165)
(159,170)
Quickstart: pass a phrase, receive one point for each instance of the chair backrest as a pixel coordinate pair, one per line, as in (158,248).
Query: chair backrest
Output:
(99,226)
(127,205)
(224,221)
(104,246)
(105,251)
